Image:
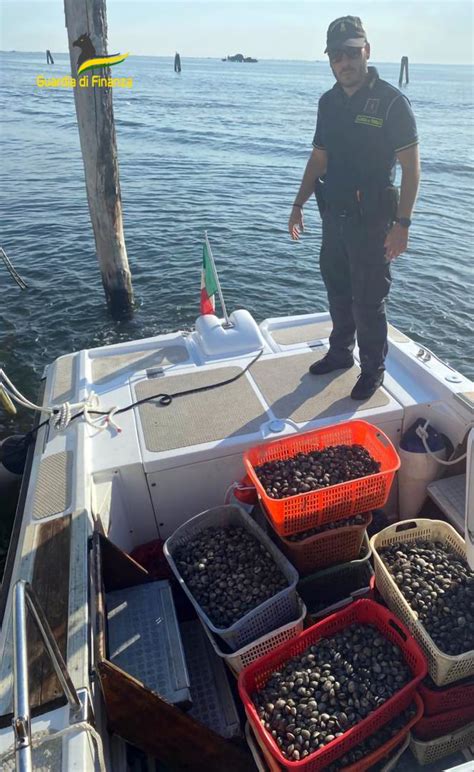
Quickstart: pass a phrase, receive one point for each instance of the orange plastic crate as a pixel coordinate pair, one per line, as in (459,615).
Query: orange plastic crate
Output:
(306,510)
(322,550)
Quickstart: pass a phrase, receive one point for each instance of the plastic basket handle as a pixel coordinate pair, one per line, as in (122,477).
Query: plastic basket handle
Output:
(393,623)
(383,439)
(409,526)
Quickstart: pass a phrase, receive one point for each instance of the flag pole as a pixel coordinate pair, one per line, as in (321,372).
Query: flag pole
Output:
(221,297)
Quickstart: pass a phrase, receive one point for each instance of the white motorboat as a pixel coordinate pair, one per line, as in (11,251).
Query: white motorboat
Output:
(95,490)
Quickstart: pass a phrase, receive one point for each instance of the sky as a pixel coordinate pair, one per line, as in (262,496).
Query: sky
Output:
(429,31)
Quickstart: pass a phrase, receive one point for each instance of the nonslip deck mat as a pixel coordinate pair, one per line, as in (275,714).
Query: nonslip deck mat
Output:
(144,639)
(466,398)
(301,333)
(64,384)
(449,494)
(54,485)
(213,703)
(106,367)
(397,335)
(292,392)
(208,416)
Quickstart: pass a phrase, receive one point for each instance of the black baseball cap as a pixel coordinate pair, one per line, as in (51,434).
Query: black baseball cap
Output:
(346,31)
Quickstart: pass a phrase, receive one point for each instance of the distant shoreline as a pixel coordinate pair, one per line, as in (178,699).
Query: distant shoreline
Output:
(170,57)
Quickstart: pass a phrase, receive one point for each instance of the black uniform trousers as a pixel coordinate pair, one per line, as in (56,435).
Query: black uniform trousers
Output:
(357,278)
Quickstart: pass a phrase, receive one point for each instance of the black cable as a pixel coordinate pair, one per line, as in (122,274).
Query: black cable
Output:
(163,398)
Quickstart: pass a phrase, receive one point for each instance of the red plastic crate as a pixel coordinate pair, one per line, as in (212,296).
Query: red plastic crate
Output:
(380,753)
(306,510)
(438,699)
(431,727)
(368,761)
(255,676)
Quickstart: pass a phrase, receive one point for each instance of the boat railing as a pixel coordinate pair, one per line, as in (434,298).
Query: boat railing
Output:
(24,597)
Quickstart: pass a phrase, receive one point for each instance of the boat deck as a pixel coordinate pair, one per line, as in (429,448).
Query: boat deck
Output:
(169,463)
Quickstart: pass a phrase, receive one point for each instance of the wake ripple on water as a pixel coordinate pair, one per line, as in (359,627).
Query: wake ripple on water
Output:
(448,167)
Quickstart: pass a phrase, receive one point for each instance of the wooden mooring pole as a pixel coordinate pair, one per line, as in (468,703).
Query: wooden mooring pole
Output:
(403,69)
(95,118)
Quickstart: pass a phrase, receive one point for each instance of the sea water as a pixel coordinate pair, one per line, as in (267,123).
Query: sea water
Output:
(219,147)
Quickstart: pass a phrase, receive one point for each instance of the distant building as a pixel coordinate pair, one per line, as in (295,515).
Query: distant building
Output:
(239,58)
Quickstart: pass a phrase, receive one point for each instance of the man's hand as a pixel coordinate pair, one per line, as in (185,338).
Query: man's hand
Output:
(396,241)
(296,223)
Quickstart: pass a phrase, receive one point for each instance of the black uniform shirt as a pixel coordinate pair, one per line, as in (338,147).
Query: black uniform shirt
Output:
(361,135)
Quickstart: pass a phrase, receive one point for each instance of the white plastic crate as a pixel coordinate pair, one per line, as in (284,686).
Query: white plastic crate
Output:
(432,750)
(443,668)
(267,616)
(243,657)
(140,645)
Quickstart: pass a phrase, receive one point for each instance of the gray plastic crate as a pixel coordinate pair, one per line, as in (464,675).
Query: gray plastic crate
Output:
(272,613)
(144,639)
(213,703)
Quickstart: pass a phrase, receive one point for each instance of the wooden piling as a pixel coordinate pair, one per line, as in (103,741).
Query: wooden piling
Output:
(49,58)
(95,120)
(403,69)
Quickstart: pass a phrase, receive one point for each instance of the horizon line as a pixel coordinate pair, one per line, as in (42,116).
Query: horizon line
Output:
(262,59)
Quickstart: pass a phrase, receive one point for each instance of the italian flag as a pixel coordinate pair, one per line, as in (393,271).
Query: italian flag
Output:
(208,283)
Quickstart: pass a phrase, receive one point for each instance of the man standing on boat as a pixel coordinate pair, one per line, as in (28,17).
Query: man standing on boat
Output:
(364,125)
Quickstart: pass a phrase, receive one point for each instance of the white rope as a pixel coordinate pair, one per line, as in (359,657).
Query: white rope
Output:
(16,395)
(229,491)
(86,727)
(423,434)
(61,415)
(236,486)
(41,738)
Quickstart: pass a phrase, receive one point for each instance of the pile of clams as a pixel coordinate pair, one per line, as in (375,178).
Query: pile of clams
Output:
(439,586)
(334,684)
(319,469)
(229,572)
(381,736)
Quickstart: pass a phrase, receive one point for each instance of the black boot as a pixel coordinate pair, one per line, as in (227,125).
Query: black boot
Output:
(330,363)
(366,385)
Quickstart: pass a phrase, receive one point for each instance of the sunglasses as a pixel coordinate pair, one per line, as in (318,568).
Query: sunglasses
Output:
(337,54)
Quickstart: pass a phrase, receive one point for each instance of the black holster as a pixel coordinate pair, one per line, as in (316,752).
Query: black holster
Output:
(390,199)
(379,204)
(319,193)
